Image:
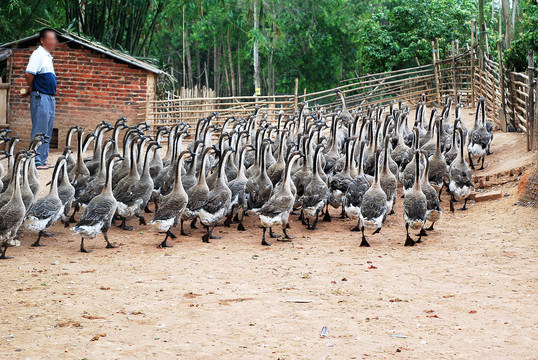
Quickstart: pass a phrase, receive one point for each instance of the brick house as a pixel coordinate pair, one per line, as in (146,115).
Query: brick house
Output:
(95,83)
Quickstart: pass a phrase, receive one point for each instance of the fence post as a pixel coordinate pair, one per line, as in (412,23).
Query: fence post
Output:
(530,108)
(472,63)
(437,85)
(296,95)
(454,71)
(502,111)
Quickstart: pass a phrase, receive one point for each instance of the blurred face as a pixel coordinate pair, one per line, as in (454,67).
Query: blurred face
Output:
(50,41)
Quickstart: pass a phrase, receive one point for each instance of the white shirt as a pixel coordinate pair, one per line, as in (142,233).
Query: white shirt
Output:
(40,65)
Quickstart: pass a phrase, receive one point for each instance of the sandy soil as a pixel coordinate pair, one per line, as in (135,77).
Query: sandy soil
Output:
(467,292)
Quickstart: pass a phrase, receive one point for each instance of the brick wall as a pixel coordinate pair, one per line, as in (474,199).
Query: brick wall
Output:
(91,87)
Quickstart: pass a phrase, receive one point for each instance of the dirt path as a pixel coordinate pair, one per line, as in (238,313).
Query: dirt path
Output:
(467,292)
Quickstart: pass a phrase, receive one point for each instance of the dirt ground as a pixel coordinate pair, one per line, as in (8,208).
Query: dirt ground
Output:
(467,292)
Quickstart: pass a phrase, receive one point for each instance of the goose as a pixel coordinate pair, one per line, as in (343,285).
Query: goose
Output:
(218,200)
(479,136)
(13,141)
(459,177)
(169,148)
(276,170)
(12,213)
(315,194)
(95,162)
(123,168)
(401,154)
(135,199)
(339,182)
(165,179)
(172,206)
(408,176)
(437,164)
(197,194)
(387,180)
(6,155)
(415,205)
(70,159)
(279,206)
(80,174)
(122,188)
(32,178)
(66,191)
(344,113)
(237,186)
(373,209)
(452,153)
(95,185)
(118,127)
(97,216)
(259,187)
(28,195)
(433,205)
(47,209)
(191,178)
(358,186)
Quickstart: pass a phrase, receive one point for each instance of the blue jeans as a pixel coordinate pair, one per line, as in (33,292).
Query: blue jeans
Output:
(42,111)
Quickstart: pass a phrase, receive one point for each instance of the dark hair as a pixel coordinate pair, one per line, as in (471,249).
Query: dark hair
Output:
(43,33)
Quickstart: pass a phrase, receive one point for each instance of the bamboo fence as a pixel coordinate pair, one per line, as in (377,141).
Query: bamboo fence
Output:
(510,96)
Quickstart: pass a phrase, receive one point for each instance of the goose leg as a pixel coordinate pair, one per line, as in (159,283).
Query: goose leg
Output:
(183,230)
(72,218)
(108,243)
(377,231)
(272,234)
(236,217)
(301,216)
(308,224)
(422,233)
(482,166)
(451,202)
(240,226)
(156,202)
(37,244)
(286,236)
(315,223)
(471,160)
(358,226)
(364,242)
(147,210)
(164,244)
(193,224)
(228,220)
(141,220)
(124,226)
(464,206)
(408,240)
(431,227)
(264,242)
(3,255)
(343,214)
(327,216)
(82,249)
(440,191)
(206,237)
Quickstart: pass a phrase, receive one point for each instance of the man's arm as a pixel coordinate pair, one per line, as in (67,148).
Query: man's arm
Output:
(29,81)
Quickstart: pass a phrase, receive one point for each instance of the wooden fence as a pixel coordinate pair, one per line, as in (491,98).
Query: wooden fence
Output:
(510,96)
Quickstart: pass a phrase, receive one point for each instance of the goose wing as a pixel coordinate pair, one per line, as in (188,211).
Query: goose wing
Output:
(197,197)
(101,208)
(374,204)
(315,192)
(356,190)
(277,205)
(173,207)
(46,207)
(217,199)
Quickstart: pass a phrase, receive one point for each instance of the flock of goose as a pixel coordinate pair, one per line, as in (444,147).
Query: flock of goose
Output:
(302,165)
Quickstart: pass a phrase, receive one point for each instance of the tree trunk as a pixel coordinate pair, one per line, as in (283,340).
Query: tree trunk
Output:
(189,61)
(255,47)
(232,72)
(215,67)
(198,66)
(239,69)
(482,38)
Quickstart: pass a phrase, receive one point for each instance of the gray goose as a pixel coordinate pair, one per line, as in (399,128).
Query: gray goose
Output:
(277,209)
(28,195)
(66,191)
(172,206)
(136,198)
(433,205)
(276,170)
(237,186)
(80,174)
(459,177)
(451,154)
(11,161)
(401,154)
(358,186)
(32,178)
(95,185)
(12,213)
(415,204)
(259,187)
(97,216)
(315,194)
(408,176)
(373,210)
(218,200)
(95,162)
(387,180)
(339,183)
(479,136)
(437,164)
(46,210)
(197,194)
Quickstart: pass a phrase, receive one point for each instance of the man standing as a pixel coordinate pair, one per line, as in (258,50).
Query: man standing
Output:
(41,81)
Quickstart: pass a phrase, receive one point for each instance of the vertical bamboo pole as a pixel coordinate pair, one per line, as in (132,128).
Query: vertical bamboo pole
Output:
(454,70)
(472,63)
(296,94)
(437,85)
(531,121)
(502,111)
